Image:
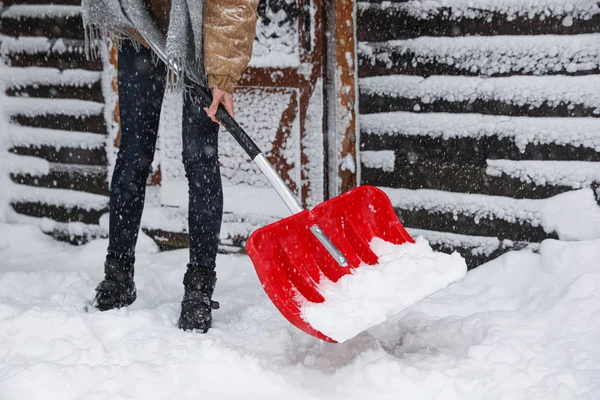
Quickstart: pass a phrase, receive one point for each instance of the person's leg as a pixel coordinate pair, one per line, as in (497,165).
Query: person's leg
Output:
(201,162)
(141,90)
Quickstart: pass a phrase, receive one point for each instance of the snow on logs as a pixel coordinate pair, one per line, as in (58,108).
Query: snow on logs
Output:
(486,112)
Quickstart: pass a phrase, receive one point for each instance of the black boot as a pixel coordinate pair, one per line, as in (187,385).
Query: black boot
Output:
(197,305)
(117,289)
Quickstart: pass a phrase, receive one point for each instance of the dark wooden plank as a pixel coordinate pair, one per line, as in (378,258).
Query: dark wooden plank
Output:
(92,123)
(409,63)
(65,155)
(59,213)
(91,92)
(66,236)
(477,259)
(474,150)
(453,177)
(378,103)
(381,24)
(167,240)
(77,239)
(92,180)
(37,2)
(466,225)
(54,27)
(68,60)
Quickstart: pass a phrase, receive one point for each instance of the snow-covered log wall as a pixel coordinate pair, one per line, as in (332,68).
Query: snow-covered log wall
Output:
(59,129)
(52,123)
(480,118)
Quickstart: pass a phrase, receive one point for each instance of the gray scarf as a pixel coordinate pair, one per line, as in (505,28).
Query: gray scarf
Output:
(184,39)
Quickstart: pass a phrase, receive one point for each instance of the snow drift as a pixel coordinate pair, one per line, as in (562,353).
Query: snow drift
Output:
(524,326)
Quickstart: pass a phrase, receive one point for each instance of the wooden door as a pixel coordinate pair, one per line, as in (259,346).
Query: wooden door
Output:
(280,104)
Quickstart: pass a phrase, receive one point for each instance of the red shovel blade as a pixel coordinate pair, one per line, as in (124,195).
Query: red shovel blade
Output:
(290,261)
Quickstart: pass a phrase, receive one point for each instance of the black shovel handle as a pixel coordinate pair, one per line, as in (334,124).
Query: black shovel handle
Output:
(227,121)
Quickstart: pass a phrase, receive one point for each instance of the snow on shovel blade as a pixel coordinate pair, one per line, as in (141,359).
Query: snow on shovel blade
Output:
(291,263)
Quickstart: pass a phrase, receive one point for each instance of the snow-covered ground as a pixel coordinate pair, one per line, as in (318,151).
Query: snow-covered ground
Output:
(525,326)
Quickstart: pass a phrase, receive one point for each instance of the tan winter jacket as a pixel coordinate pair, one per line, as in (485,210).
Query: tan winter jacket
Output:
(229,32)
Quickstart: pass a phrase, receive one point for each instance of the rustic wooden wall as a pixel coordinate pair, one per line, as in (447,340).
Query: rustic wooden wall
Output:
(480,99)
(454,103)
(66,122)
(55,106)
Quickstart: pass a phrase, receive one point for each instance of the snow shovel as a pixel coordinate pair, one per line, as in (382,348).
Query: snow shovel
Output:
(293,255)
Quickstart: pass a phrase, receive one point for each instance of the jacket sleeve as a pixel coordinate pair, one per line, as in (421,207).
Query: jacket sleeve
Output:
(229,32)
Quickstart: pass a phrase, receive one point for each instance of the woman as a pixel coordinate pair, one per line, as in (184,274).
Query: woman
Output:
(228,34)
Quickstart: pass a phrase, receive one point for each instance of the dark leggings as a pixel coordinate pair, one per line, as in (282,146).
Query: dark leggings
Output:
(141,88)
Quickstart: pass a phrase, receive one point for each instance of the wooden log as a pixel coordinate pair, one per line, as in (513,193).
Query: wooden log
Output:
(379,103)
(492,56)
(455,177)
(91,93)
(167,241)
(64,234)
(416,148)
(476,259)
(380,23)
(91,123)
(64,61)
(467,225)
(55,27)
(71,238)
(7,3)
(91,179)
(59,213)
(66,155)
